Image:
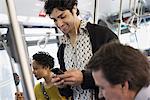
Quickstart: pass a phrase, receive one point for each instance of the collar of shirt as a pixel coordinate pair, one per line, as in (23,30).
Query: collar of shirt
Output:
(83,26)
(143,94)
(82,30)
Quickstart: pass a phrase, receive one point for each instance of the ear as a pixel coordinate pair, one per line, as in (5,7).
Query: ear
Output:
(125,87)
(46,68)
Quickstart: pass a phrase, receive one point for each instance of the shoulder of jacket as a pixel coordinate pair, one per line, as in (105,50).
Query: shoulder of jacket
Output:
(92,25)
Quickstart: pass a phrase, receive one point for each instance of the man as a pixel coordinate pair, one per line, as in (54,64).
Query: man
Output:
(121,72)
(42,65)
(80,41)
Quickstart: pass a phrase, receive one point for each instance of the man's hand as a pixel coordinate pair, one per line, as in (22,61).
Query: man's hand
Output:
(72,77)
(57,81)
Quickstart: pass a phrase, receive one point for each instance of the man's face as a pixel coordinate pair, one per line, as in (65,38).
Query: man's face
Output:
(38,70)
(110,92)
(64,20)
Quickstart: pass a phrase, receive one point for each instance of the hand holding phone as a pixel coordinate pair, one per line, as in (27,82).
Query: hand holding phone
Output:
(57,80)
(57,71)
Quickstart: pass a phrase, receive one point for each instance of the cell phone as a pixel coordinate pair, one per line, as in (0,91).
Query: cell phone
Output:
(57,71)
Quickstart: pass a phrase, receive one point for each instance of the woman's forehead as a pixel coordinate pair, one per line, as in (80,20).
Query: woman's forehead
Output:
(35,63)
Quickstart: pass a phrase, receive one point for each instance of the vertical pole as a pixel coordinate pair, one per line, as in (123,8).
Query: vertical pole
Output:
(130,2)
(21,51)
(94,11)
(120,18)
(134,9)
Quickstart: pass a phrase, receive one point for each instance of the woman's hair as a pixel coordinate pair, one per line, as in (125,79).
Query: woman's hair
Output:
(43,58)
(61,5)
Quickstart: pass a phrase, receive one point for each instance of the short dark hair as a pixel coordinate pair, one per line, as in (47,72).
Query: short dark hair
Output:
(120,63)
(61,5)
(44,59)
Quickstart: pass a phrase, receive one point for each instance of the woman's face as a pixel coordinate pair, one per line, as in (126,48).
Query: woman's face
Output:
(64,20)
(38,70)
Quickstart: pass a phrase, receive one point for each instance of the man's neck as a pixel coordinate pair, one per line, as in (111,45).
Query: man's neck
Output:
(130,96)
(73,34)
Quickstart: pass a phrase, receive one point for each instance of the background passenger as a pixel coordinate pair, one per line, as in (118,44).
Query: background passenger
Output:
(42,65)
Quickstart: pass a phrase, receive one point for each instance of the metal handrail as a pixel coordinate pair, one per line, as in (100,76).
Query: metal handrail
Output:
(21,51)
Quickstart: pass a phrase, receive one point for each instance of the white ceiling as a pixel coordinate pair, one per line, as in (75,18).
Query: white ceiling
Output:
(27,9)
(33,7)
(24,7)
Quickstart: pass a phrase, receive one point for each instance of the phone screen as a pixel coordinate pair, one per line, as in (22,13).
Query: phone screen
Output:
(57,71)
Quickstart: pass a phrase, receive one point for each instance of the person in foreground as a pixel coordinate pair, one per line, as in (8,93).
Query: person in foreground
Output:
(80,41)
(42,65)
(121,72)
